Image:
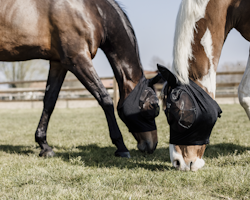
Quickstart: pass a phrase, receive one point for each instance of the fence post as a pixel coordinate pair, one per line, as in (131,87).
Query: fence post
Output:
(115,93)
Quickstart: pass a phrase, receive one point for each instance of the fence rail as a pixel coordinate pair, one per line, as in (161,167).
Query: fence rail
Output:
(230,73)
(23,90)
(44,81)
(67,93)
(224,90)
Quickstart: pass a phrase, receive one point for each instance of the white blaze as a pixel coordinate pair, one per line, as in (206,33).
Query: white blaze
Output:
(209,81)
(175,156)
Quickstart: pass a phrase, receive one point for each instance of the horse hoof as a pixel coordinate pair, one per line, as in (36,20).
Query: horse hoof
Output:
(122,154)
(47,153)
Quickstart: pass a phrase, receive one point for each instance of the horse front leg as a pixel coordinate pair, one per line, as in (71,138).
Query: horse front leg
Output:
(244,90)
(56,77)
(83,69)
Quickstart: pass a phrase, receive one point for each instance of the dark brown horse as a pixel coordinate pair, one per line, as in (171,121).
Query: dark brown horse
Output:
(68,34)
(202,27)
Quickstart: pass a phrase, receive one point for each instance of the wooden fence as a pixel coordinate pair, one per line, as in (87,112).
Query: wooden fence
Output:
(228,89)
(21,94)
(68,93)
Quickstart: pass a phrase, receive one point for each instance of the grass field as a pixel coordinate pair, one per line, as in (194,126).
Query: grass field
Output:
(85,167)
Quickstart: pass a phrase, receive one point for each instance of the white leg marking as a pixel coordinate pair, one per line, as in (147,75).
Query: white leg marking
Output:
(209,81)
(244,90)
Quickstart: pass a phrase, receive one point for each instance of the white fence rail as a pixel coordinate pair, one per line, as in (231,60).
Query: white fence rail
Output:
(31,94)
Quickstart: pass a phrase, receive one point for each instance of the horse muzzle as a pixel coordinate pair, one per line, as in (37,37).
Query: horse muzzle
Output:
(147,141)
(187,158)
(147,147)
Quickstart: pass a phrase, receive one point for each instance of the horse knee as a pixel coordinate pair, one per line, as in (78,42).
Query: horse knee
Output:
(244,100)
(106,103)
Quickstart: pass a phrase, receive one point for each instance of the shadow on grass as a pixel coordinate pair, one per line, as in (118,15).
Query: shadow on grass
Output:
(19,149)
(224,149)
(95,156)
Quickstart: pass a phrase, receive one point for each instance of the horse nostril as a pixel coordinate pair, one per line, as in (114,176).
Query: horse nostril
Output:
(147,147)
(141,147)
(155,145)
(191,164)
(177,163)
(149,150)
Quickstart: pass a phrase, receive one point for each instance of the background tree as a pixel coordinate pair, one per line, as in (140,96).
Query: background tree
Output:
(25,70)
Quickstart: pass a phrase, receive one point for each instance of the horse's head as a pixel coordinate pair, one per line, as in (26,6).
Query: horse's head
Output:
(191,114)
(138,112)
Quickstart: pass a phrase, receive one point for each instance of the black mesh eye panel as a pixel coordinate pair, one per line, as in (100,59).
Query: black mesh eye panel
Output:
(191,114)
(181,109)
(187,118)
(187,110)
(148,97)
(140,108)
(175,95)
(148,104)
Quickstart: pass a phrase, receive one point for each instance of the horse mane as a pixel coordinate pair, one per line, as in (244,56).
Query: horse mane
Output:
(126,23)
(190,12)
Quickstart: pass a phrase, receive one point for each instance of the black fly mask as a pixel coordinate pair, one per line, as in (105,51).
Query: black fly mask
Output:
(140,108)
(190,111)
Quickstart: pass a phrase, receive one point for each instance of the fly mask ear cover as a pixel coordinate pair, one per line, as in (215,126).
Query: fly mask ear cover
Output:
(140,108)
(190,111)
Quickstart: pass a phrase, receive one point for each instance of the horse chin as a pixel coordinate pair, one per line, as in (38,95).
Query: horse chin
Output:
(146,141)
(199,163)
(187,158)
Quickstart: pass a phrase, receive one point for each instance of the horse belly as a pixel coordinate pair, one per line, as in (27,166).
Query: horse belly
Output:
(22,28)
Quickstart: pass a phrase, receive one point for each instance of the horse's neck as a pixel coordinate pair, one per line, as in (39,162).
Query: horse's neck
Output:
(206,50)
(126,67)
(120,47)
(209,37)
(239,18)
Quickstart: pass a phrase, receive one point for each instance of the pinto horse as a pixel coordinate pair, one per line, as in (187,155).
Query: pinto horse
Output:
(202,27)
(68,34)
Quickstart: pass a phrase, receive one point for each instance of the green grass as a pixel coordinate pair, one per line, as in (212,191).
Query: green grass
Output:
(85,167)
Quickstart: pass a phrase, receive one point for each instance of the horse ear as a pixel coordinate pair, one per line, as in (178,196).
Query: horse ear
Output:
(168,76)
(154,80)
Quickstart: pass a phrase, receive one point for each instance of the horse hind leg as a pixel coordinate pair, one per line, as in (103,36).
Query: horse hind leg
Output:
(244,90)
(83,69)
(56,77)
